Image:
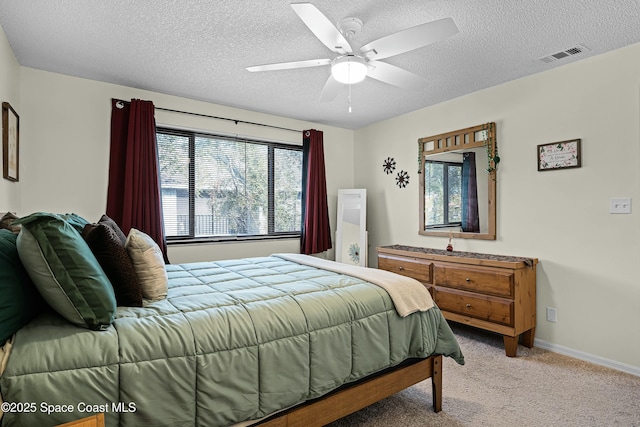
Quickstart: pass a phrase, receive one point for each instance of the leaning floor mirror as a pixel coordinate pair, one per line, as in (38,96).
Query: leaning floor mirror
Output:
(351,230)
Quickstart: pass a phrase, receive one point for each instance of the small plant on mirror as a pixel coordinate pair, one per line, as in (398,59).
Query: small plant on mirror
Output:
(492,147)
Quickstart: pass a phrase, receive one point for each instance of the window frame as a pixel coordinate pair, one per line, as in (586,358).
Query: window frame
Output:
(445,193)
(271,147)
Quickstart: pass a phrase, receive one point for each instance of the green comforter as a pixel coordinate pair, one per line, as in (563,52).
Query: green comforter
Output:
(234,340)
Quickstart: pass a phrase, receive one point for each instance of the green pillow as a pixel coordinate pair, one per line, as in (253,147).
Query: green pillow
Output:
(19,299)
(75,220)
(65,271)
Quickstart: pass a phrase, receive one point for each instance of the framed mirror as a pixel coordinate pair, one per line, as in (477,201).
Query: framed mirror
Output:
(458,183)
(351,230)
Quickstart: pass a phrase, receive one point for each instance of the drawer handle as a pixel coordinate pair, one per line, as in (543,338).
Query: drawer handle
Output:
(401,268)
(468,305)
(467,279)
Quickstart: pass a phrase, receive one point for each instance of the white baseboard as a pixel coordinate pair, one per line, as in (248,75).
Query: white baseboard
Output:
(577,354)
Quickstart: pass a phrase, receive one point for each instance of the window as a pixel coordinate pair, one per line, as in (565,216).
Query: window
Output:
(442,194)
(234,188)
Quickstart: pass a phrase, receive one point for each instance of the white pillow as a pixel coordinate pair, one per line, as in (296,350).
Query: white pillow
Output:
(148,263)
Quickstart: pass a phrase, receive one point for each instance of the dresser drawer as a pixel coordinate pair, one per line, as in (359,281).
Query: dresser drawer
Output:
(492,309)
(492,281)
(492,292)
(411,267)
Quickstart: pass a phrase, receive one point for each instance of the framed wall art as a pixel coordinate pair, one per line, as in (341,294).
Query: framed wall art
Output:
(10,142)
(559,155)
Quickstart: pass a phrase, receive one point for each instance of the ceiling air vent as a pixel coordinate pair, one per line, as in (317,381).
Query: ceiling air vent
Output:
(564,54)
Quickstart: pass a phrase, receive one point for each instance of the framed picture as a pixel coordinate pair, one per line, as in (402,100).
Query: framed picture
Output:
(10,142)
(559,155)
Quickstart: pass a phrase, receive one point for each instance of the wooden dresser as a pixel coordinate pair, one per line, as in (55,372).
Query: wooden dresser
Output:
(492,292)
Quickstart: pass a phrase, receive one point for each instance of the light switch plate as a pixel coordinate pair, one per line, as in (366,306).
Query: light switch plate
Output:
(620,206)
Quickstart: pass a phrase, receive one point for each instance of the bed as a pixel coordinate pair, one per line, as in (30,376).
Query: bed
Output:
(271,340)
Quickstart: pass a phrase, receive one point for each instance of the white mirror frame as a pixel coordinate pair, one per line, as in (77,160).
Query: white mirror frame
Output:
(351,230)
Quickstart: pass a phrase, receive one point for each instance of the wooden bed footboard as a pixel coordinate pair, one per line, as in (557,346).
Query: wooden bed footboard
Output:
(354,397)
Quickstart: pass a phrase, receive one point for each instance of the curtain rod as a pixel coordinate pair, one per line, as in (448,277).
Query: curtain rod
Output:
(227,119)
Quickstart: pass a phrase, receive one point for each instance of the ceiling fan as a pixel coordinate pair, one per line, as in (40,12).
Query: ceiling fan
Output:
(354,65)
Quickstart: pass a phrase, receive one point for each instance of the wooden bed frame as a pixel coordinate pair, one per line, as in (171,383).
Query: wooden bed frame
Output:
(361,394)
(345,400)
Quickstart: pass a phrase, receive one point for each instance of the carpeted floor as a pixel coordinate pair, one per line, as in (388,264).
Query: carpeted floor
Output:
(537,388)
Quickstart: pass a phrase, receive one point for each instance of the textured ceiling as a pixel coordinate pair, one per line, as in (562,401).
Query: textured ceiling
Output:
(199,49)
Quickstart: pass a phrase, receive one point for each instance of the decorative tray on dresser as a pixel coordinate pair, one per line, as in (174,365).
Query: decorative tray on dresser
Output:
(492,292)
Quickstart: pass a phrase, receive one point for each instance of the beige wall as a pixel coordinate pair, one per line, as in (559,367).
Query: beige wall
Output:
(587,256)
(9,92)
(65,133)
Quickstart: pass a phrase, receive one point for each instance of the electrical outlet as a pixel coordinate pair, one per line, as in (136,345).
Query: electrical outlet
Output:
(620,206)
(552,314)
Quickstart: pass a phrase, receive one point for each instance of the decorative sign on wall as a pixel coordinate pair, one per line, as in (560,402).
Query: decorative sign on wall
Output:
(559,155)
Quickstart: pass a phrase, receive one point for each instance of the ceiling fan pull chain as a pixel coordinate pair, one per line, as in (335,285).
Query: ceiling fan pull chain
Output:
(349,98)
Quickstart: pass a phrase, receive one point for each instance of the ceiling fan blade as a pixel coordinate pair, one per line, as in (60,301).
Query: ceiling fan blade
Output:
(395,76)
(410,39)
(290,65)
(323,29)
(330,90)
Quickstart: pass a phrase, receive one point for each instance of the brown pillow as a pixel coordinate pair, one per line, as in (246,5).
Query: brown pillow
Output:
(7,222)
(114,226)
(110,252)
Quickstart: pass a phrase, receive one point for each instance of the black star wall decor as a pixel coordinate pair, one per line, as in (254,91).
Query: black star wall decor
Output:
(402,179)
(389,165)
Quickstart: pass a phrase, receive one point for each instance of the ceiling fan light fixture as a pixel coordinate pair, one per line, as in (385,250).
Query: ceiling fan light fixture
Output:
(349,69)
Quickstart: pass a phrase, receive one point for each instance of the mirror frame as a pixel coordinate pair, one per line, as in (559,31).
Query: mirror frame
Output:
(476,136)
(362,224)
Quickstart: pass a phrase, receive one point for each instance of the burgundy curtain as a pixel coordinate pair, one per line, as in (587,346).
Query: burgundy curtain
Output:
(470,218)
(133,196)
(316,231)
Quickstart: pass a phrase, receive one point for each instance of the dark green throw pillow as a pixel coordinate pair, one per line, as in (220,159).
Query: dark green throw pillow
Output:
(19,299)
(75,220)
(65,271)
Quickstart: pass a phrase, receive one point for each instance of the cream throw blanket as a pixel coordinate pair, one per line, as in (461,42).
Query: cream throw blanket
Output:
(408,295)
